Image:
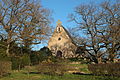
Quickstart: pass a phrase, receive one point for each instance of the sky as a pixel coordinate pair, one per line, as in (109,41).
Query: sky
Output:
(61,9)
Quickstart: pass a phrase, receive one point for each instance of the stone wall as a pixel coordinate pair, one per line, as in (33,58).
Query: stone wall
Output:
(62,41)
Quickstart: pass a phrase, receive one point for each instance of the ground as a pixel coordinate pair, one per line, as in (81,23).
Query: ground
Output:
(22,75)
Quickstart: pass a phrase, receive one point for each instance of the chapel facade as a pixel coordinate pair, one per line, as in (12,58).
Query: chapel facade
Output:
(61,43)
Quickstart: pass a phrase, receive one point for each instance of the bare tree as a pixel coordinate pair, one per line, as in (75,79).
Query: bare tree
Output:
(111,18)
(23,21)
(96,21)
(89,24)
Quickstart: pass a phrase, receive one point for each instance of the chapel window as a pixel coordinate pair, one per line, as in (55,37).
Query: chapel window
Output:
(59,39)
(58,29)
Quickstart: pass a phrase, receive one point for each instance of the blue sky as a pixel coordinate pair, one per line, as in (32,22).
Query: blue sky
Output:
(61,9)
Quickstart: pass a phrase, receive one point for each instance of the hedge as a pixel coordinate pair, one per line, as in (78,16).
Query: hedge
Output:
(51,68)
(5,67)
(112,69)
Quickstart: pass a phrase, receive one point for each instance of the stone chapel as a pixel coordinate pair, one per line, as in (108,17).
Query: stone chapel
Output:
(61,43)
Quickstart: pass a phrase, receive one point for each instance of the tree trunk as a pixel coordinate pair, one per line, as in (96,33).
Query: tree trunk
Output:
(7,50)
(99,60)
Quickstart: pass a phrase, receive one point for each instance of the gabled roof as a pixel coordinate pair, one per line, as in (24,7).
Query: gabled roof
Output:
(59,24)
(69,36)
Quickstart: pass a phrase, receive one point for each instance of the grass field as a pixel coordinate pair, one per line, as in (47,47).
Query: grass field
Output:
(22,75)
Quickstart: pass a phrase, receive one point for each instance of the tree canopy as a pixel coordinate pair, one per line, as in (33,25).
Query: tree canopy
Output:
(23,21)
(101,25)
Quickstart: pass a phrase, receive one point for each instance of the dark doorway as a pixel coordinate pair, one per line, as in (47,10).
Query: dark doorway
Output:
(59,53)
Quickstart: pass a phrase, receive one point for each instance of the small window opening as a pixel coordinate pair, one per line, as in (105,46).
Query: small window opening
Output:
(59,38)
(58,29)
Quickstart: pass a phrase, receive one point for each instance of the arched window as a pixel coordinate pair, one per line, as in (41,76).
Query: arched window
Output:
(58,29)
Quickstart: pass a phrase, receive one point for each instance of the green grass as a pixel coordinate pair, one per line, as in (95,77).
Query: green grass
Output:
(22,75)
(81,67)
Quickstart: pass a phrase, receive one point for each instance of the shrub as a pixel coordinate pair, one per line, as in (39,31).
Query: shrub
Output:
(34,58)
(39,56)
(25,60)
(16,62)
(112,69)
(53,68)
(3,57)
(45,53)
(5,67)
(20,62)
